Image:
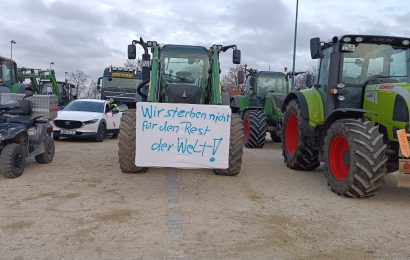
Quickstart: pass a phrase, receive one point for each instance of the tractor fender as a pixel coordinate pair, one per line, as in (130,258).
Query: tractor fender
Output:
(302,102)
(342,113)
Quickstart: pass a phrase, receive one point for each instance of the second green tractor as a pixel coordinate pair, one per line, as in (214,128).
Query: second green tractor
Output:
(260,106)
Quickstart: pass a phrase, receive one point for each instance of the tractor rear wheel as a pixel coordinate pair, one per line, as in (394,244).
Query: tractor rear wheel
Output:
(355,158)
(127,143)
(254,128)
(235,147)
(298,151)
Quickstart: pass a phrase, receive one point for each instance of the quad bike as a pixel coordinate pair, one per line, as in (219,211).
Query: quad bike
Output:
(22,136)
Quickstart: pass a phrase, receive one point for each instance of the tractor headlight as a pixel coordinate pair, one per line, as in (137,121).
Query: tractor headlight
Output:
(347,39)
(406,42)
(358,39)
(89,122)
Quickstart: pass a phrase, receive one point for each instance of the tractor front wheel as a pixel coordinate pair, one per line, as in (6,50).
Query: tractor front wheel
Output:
(235,147)
(254,128)
(127,143)
(298,150)
(355,158)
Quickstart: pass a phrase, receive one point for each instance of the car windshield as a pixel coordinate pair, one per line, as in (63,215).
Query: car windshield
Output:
(122,83)
(183,64)
(275,83)
(368,61)
(86,106)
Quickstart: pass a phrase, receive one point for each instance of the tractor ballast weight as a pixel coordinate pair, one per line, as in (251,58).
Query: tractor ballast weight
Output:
(349,118)
(161,85)
(260,106)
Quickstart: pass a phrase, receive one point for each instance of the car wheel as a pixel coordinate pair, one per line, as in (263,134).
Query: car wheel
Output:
(101,133)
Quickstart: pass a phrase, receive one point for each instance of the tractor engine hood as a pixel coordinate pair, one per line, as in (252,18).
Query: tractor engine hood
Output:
(183,93)
(277,98)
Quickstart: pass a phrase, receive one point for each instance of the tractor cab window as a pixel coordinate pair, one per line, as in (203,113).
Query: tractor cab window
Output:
(271,83)
(7,75)
(369,61)
(181,64)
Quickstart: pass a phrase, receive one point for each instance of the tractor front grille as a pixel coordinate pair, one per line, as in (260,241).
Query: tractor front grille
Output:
(68,124)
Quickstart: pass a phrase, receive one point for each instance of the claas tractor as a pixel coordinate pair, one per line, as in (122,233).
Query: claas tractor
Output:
(260,106)
(350,117)
(179,74)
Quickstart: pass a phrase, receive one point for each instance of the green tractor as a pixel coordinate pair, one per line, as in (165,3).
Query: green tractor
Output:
(179,74)
(350,117)
(260,106)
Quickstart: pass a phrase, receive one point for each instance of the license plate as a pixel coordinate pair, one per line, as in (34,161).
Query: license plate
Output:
(68,132)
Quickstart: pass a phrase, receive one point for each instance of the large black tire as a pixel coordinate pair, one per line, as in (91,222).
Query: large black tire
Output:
(354,158)
(254,129)
(299,151)
(12,160)
(48,154)
(127,143)
(235,148)
(101,133)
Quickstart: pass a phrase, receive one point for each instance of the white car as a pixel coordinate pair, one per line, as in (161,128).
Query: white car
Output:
(87,118)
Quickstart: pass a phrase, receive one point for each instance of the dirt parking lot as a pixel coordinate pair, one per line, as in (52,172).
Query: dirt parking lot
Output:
(81,206)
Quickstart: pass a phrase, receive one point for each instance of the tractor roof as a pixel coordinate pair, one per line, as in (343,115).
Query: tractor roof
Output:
(272,73)
(186,49)
(4,58)
(375,39)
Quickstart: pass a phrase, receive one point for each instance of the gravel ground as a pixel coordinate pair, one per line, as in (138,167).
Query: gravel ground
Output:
(81,206)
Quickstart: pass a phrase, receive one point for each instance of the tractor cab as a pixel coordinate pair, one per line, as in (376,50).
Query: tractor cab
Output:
(184,74)
(8,73)
(271,82)
(353,66)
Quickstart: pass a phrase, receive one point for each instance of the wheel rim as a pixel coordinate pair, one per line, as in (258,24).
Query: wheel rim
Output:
(339,157)
(292,134)
(18,161)
(246,128)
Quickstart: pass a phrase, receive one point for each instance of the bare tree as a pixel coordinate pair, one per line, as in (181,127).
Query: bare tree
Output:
(92,91)
(300,80)
(80,80)
(230,79)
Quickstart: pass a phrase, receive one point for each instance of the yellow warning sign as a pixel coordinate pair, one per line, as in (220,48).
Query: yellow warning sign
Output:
(404,143)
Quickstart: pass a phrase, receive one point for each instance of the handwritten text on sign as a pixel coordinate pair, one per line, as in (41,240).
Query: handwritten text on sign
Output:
(182,135)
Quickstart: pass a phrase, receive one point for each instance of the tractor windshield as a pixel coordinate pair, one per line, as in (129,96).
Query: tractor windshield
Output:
(7,76)
(366,61)
(271,83)
(184,64)
(121,83)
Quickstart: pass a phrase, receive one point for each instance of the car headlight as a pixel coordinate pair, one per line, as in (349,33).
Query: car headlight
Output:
(91,121)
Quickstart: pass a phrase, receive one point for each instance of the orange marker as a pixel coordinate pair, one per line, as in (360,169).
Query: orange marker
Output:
(404,143)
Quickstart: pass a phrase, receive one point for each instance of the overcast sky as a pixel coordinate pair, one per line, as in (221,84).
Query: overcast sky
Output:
(90,35)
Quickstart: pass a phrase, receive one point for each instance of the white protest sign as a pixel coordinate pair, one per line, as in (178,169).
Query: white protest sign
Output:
(182,135)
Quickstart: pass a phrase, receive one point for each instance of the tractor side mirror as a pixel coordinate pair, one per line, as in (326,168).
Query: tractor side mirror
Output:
(241,76)
(132,51)
(315,48)
(309,80)
(236,56)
